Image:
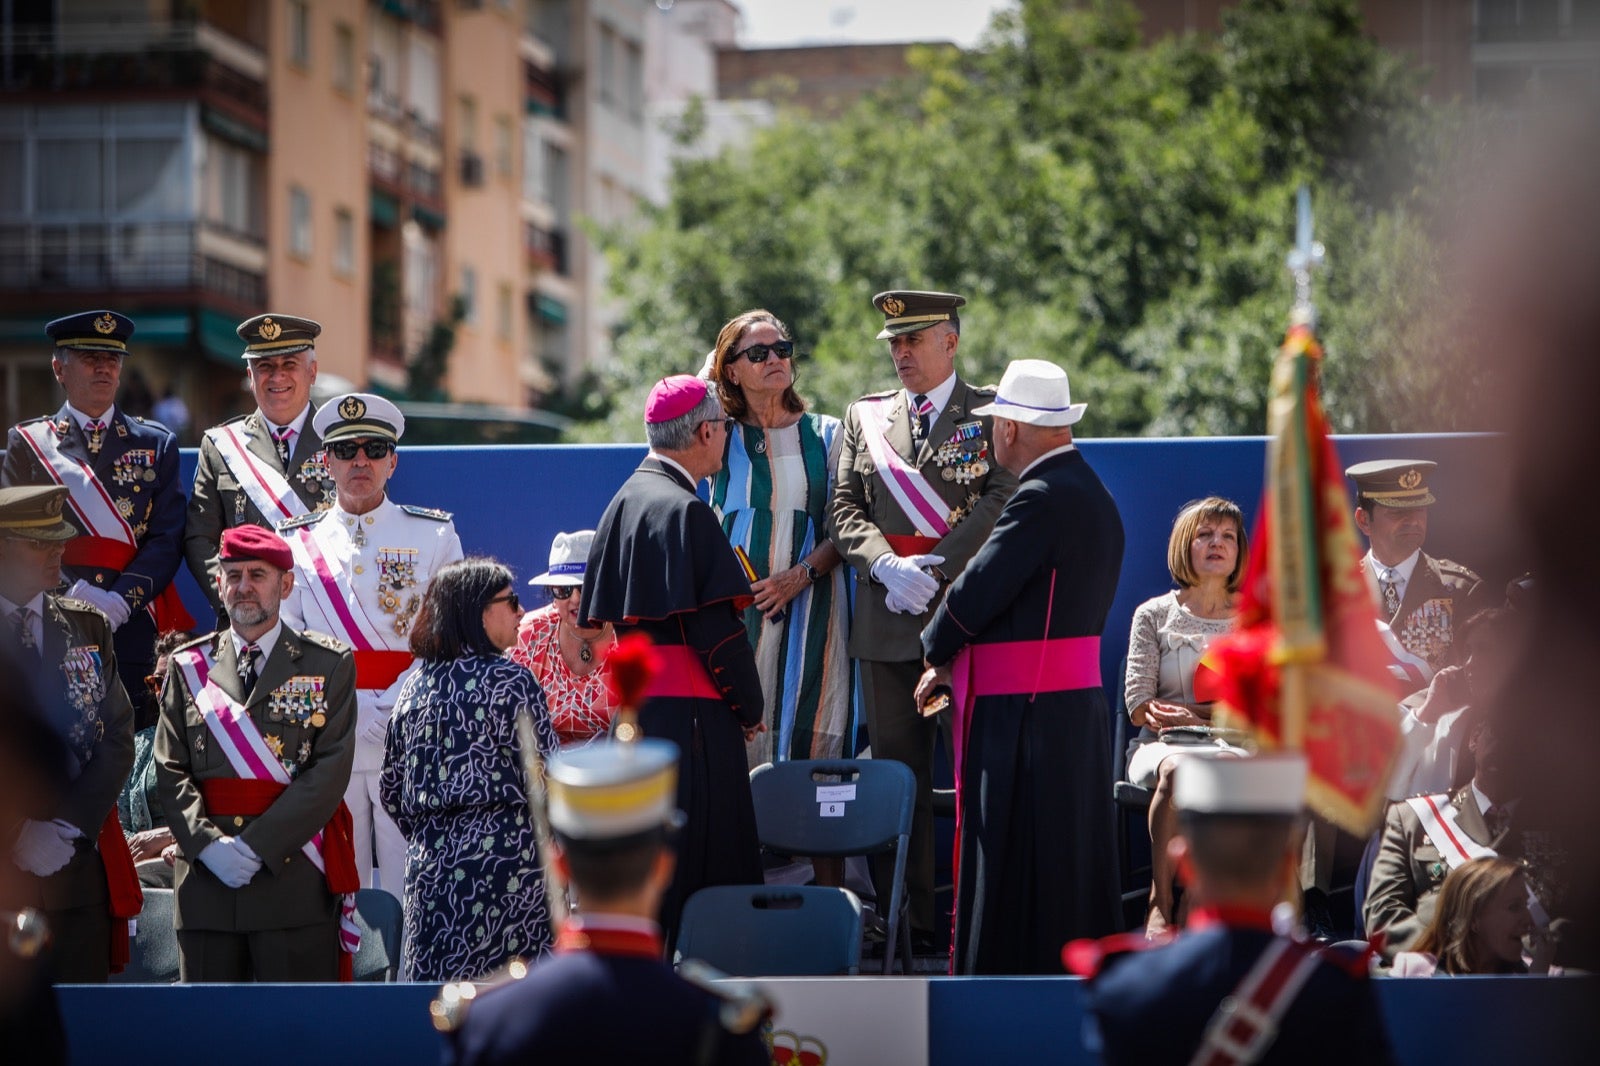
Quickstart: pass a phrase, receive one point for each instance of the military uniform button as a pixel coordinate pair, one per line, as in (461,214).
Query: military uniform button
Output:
(360,569)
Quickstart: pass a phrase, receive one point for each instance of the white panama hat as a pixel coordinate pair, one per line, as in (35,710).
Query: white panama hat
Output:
(569,558)
(1036,392)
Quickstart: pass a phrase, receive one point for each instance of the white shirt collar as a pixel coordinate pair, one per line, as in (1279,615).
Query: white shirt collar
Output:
(1484,802)
(939,396)
(679,467)
(297,424)
(266,642)
(1403,571)
(35,620)
(376,513)
(83,419)
(1064,449)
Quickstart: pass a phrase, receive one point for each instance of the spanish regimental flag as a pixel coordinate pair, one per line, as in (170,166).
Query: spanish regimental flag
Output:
(1306,669)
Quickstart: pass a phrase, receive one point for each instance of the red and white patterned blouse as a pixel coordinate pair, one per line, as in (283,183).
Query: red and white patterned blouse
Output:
(580,706)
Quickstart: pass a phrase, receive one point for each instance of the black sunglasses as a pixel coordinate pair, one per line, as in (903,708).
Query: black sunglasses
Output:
(561,592)
(757,353)
(511,598)
(346,449)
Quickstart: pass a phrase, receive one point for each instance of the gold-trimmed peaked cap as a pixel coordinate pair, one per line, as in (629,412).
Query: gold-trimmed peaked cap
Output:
(609,794)
(1394,482)
(358,414)
(907,310)
(95,331)
(34,512)
(274,334)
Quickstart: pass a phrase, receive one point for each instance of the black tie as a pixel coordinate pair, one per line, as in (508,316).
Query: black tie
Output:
(1497,819)
(923,409)
(247,667)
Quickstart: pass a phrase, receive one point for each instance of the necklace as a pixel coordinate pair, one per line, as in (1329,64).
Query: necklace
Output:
(586,652)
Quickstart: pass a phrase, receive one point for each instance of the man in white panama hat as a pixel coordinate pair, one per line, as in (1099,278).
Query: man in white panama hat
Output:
(1018,640)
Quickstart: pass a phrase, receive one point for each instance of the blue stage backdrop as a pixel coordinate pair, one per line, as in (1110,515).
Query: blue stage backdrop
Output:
(509,502)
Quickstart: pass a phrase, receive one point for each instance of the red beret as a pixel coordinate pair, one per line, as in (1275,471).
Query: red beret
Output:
(673,397)
(253,542)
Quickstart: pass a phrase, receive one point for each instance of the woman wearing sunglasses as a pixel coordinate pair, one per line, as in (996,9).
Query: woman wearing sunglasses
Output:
(566,658)
(453,782)
(772,497)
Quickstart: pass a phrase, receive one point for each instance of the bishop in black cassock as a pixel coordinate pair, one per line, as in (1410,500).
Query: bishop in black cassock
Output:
(661,565)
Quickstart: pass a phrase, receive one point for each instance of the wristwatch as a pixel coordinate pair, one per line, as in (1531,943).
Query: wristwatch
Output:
(811,571)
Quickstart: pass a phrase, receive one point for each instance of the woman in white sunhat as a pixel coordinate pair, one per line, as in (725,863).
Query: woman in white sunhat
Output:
(566,658)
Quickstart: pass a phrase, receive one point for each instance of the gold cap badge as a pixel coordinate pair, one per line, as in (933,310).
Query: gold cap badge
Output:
(893,306)
(1411,479)
(352,407)
(269,330)
(105,324)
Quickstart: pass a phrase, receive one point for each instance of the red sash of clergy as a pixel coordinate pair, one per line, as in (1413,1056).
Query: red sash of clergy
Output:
(682,674)
(124,897)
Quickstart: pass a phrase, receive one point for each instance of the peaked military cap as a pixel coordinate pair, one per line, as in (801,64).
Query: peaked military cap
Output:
(906,311)
(611,794)
(358,414)
(1394,482)
(99,331)
(33,512)
(271,334)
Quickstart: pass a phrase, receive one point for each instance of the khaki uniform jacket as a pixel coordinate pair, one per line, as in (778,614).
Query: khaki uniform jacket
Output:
(218,502)
(862,511)
(288,891)
(100,736)
(1409,870)
(1428,614)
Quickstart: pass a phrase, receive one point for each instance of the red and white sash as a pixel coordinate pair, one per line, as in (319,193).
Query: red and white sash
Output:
(1442,827)
(241,743)
(267,489)
(90,502)
(1246,1023)
(916,497)
(330,589)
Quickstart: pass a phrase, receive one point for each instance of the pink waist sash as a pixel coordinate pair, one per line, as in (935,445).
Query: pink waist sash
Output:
(1028,666)
(682,675)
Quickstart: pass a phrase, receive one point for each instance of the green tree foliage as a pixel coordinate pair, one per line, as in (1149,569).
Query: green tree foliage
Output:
(1119,208)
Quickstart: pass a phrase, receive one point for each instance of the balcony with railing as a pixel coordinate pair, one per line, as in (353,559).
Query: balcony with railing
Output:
(121,257)
(123,57)
(545,249)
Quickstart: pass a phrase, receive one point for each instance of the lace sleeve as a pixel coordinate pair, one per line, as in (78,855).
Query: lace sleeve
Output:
(1144,654)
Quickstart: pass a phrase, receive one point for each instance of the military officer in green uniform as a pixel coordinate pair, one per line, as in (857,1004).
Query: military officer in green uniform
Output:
(75,678)
(1420,597)
(253,754)
(917,492)
(267,466)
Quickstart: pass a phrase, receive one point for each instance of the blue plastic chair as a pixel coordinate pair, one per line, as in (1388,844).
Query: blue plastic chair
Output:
(773,931)
(379,915)
(792,818)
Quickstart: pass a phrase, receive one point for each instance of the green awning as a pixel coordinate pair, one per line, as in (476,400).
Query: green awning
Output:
(383,209)
(231,129)
(166,328)
(430,218)
(549,308)
(219,339)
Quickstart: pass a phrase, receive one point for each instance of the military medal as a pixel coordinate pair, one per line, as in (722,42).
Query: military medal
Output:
(397,572)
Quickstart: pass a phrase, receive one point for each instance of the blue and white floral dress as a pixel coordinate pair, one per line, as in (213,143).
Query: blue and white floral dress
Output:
(453,781)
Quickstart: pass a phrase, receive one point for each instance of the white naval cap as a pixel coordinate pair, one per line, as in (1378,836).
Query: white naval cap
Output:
(1274,783)
(358,414)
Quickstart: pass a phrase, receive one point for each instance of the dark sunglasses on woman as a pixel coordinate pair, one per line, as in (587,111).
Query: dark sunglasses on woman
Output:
(345,450)
(508,597)
(757,353)
(561,592)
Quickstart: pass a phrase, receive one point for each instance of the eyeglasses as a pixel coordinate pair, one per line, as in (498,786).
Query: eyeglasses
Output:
(511,598)
(153,683)
(726,423)
(346,449)
(561,592)
(757,353)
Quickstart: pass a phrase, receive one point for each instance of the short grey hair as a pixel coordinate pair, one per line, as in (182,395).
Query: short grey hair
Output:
(678,434)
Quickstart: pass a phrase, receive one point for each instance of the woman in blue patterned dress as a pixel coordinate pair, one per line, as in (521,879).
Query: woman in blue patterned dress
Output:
(772,496)
(453,781)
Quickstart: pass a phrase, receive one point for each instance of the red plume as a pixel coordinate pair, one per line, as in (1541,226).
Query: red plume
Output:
(631,666)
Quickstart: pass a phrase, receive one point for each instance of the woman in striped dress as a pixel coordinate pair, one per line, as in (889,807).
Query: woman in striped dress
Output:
(772,497)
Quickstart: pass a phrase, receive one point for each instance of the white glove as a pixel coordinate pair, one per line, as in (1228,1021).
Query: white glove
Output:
(907,580)
(68,831)
(375,730)
(111,605)
(41,848)
(897,605)
(233,863)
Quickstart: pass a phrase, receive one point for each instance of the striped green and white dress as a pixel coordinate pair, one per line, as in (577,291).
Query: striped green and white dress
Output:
(772,496)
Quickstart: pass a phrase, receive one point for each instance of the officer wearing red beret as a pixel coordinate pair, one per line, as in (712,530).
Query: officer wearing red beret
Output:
(253,754)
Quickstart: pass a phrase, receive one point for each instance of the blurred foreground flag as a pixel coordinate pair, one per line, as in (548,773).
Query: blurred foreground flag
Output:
(1306,669)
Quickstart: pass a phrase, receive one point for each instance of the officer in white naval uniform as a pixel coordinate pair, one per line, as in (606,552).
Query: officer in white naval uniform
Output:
(361,568)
